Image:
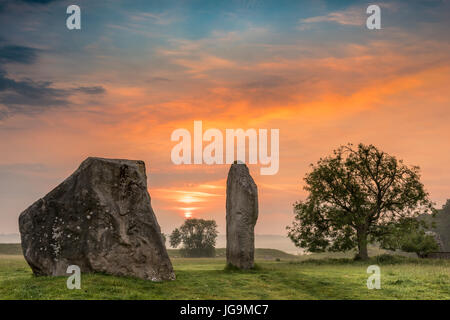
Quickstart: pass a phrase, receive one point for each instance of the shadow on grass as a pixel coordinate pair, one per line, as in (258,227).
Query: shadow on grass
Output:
(229,268)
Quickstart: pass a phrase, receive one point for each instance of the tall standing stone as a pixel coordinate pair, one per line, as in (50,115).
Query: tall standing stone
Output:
(242,213)
(100,219)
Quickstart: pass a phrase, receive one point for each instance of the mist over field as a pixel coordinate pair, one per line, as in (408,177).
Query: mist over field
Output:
(10,238)
(261,241)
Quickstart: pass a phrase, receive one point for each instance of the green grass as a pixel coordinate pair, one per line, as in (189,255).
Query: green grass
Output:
(299,278)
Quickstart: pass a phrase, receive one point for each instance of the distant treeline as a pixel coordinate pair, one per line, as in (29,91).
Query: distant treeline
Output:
(441,223)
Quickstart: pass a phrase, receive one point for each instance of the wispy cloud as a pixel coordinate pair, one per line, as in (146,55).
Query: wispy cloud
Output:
(91,90)
(28,96)
(351,16)
(17,54)
(354,16)
(163,19)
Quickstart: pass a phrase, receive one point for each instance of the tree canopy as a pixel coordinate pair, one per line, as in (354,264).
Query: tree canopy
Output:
(355,197)
(198,237)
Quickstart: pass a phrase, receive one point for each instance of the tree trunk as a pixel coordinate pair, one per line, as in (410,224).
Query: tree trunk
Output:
(362,245)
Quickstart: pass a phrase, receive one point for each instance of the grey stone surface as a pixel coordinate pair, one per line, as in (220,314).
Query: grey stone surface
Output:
(242,213)
(101,219)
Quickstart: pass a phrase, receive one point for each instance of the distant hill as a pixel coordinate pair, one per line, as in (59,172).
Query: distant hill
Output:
(442,224)
(278,242)
(260,254)
(10,249)
(10,238)
(271,241)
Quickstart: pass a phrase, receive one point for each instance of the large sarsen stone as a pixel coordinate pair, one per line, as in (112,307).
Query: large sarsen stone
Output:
(242,213)
(101,219)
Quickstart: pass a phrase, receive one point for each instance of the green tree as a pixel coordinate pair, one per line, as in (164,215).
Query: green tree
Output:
(355,197)
(420,243)
(198,237)
(439,223)
(410,236)
(175,238)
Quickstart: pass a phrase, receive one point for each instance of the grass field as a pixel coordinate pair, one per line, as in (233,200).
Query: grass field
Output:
(292,277)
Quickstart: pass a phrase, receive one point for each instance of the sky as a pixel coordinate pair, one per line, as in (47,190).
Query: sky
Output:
(138,70)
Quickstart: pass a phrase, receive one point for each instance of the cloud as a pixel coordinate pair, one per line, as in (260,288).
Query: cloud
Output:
(267,82)
(91,90)
(17,54)
(27,96)
(31,97)
(17,5)
(39,1)
(352,16)
(163,19)
(159,79)
(29,1)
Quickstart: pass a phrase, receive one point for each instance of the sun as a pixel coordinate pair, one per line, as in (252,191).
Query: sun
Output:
(188,215)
